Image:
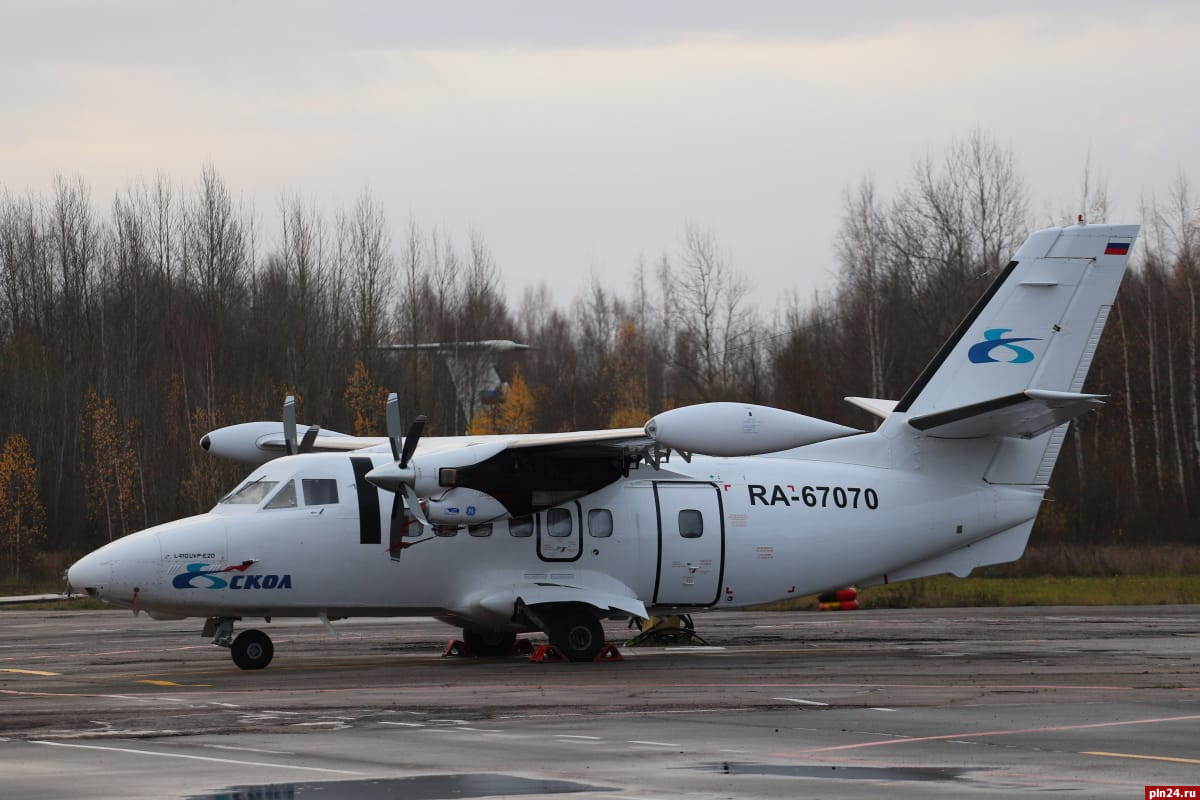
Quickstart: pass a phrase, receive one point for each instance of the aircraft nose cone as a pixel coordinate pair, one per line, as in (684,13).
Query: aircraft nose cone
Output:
(89,575)
(115,571)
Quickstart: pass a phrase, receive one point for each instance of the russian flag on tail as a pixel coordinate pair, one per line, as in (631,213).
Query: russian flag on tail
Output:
(1116,249)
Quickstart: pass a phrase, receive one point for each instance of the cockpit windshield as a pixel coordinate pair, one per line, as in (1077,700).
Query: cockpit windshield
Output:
(251,494)
(285,497)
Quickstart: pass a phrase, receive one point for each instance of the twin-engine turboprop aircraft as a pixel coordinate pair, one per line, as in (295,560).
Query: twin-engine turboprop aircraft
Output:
(713,505)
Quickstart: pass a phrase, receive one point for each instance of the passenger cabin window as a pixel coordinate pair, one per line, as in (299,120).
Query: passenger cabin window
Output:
(285,497)
(320,491)
(558,522)
(600,523)
(521,527)
(480,531)
(691,523)
(251,494)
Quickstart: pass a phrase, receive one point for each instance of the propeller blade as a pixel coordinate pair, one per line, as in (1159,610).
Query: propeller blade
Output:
(289,425)
(410,441)
(310,437)
(394,425)
(414,504)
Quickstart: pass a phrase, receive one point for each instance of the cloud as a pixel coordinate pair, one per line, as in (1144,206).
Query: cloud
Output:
(584,142)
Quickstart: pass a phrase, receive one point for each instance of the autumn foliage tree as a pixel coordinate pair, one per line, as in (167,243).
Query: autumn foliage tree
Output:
(515,413)
(364,398)
(22,515)
(207,478)
(187,316)
(630,409)
(113,477)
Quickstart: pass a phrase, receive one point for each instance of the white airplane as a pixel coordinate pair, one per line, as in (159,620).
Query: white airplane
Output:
(714,505)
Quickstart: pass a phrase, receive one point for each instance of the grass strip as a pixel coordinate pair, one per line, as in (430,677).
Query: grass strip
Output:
(944,591)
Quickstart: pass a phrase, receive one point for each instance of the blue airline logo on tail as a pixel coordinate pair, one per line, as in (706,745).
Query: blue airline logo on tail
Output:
(981,352)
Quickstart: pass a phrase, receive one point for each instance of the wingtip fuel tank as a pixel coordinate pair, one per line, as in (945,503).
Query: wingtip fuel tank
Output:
(739,429)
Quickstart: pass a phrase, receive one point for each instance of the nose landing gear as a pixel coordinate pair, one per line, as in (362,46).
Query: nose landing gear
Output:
(251,649)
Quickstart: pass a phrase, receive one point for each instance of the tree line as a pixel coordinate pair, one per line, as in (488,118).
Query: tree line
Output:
(128,331)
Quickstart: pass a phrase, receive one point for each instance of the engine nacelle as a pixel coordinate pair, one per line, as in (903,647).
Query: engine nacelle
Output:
(463,506)
(739,429)
(247,442)
(254,442)
(431,473)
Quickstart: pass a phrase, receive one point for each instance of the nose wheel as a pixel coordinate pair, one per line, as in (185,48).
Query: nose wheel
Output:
(250,650)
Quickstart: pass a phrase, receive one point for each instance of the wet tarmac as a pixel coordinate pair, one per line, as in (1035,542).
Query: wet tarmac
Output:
(940,703)
(421,787)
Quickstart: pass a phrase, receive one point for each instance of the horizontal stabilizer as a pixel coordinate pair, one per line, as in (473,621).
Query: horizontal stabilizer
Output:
(879,408)
(1023,415)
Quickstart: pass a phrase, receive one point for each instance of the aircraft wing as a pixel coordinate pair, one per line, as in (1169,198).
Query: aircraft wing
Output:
(260,442)
(1024,415)
(581,443)
(326,442)
(504,601)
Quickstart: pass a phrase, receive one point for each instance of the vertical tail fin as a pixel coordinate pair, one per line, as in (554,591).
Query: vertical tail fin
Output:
(1015,367)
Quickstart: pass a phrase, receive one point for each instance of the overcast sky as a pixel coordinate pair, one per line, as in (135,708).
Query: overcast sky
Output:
(578,138)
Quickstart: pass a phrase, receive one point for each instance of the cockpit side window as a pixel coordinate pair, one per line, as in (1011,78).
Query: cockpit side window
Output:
(251,494)
(285,497)
(320,491)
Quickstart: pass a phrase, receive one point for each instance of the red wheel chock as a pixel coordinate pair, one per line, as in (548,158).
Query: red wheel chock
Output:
(521,647)
(456,648)
(546,654)
(549,654)
(608,653)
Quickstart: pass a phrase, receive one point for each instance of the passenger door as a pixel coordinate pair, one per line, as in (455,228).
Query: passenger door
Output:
(691,537)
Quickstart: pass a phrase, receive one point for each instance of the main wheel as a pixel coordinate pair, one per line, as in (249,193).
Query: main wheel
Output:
(489,643)
(252,650)
(577,632)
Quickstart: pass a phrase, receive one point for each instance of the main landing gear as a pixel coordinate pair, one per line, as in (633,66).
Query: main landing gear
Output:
(489,643)
(575,630)
(251,649)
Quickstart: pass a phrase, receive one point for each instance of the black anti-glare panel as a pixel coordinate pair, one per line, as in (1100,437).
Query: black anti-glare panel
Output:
(368,502)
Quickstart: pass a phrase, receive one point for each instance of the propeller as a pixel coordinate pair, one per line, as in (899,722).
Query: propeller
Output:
(289,430)
(402,479)
(289,425)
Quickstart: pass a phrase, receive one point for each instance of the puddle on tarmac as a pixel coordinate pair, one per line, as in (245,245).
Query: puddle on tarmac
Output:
(827,772)
(420,787)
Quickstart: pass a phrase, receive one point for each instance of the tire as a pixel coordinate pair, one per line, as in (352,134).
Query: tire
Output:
(577,632)
(252,650)
(489,643)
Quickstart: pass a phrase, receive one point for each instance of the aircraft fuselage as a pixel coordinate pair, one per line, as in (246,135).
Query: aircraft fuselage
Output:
(713,532)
